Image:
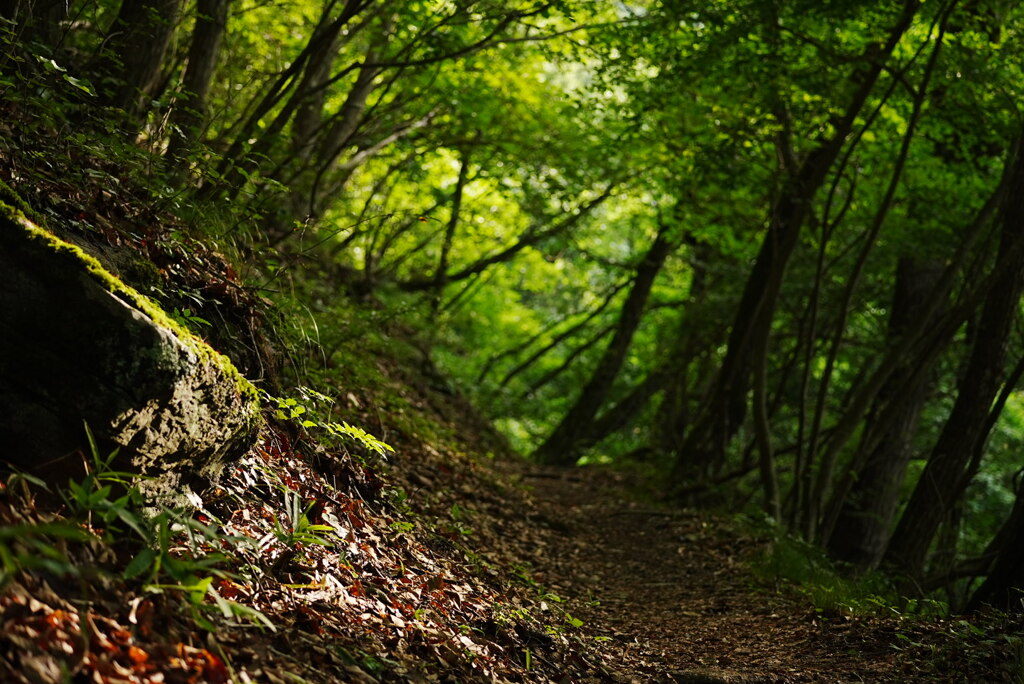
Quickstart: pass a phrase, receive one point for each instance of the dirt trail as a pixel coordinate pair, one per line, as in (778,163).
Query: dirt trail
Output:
(672,591)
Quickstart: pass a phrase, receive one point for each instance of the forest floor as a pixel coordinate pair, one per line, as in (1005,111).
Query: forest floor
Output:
(436,564)
(674,597)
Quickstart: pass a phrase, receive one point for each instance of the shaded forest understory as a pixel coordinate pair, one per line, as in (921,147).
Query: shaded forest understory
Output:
(555,341)
(451,559)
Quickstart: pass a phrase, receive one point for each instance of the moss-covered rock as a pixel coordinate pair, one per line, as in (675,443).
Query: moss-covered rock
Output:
(78,345)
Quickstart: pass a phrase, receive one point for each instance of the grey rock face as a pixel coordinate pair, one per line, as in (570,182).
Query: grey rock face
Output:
(77,345)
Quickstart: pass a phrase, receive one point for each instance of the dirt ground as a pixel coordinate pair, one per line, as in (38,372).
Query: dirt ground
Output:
(672,596)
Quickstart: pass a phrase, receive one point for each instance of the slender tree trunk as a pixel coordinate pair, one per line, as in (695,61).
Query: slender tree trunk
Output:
(762,432)
(139,38)
(628,407)
(673,415)
(943,480)
(34,20)
(934,326)
(311,93)
(871,495)
(189,113)
(562,446)
(319,139)
(703,451)
(1003,588)
(827,463)
(441,274)
(287,81)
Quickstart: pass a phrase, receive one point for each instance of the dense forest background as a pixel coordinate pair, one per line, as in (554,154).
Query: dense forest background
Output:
(769,253)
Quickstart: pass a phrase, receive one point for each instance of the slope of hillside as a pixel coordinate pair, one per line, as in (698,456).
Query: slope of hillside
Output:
(322,554)
(380,530)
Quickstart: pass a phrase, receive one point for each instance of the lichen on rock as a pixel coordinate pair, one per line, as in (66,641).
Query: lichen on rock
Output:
(76,344)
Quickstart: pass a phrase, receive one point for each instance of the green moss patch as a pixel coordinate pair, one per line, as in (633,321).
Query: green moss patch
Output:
(72,253)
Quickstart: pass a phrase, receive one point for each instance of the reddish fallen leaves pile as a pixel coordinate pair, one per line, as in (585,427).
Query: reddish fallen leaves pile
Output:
(355,586)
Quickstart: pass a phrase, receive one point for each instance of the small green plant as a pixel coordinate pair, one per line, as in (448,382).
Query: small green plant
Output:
(37,546)
(188,318)
(505,614)
(1015,664)
(299,529)
(106,505)
(308,415)
(566,616)
(823,584)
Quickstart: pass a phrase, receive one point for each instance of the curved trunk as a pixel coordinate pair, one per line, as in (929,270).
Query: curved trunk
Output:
(1004,584)
(945,476)
(563,445)
(871,496)
(703,451)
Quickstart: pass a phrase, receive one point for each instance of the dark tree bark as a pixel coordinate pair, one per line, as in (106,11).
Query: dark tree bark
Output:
(943,480)
(827,463)
(318,139)
(286,89)
(625,410)
(673,415)
(723,413)
(449,232)
(1003,588)
(311,93)
(189,113)
(935,326)
(871,496)
(563,445)
(139,38)
(34,20)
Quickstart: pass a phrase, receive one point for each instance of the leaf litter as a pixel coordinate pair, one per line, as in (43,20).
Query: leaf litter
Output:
(439,565)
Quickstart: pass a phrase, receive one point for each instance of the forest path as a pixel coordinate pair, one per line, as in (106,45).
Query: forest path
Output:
(674,593)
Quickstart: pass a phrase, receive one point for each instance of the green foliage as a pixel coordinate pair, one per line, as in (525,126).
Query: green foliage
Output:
(36,545)
(805,568)
(188,318)
(298,529)
(488,175)
(316,416)
(107,508)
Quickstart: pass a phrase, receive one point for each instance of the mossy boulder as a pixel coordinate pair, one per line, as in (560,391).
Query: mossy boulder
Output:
(77,345)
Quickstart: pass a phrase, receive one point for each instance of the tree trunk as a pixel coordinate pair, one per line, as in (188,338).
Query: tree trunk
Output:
(943,480)
(703,451)
(319,144)
(139,39)
(865,516)
(625,410)
(1003,588)
(563,445)
(673,415)
(34,20)
(189,113)
(312,93)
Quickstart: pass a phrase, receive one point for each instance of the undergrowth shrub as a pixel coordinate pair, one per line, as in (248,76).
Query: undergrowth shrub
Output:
(831,588)
(170,551)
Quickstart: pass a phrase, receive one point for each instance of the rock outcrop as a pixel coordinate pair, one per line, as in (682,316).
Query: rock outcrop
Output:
(77,345)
